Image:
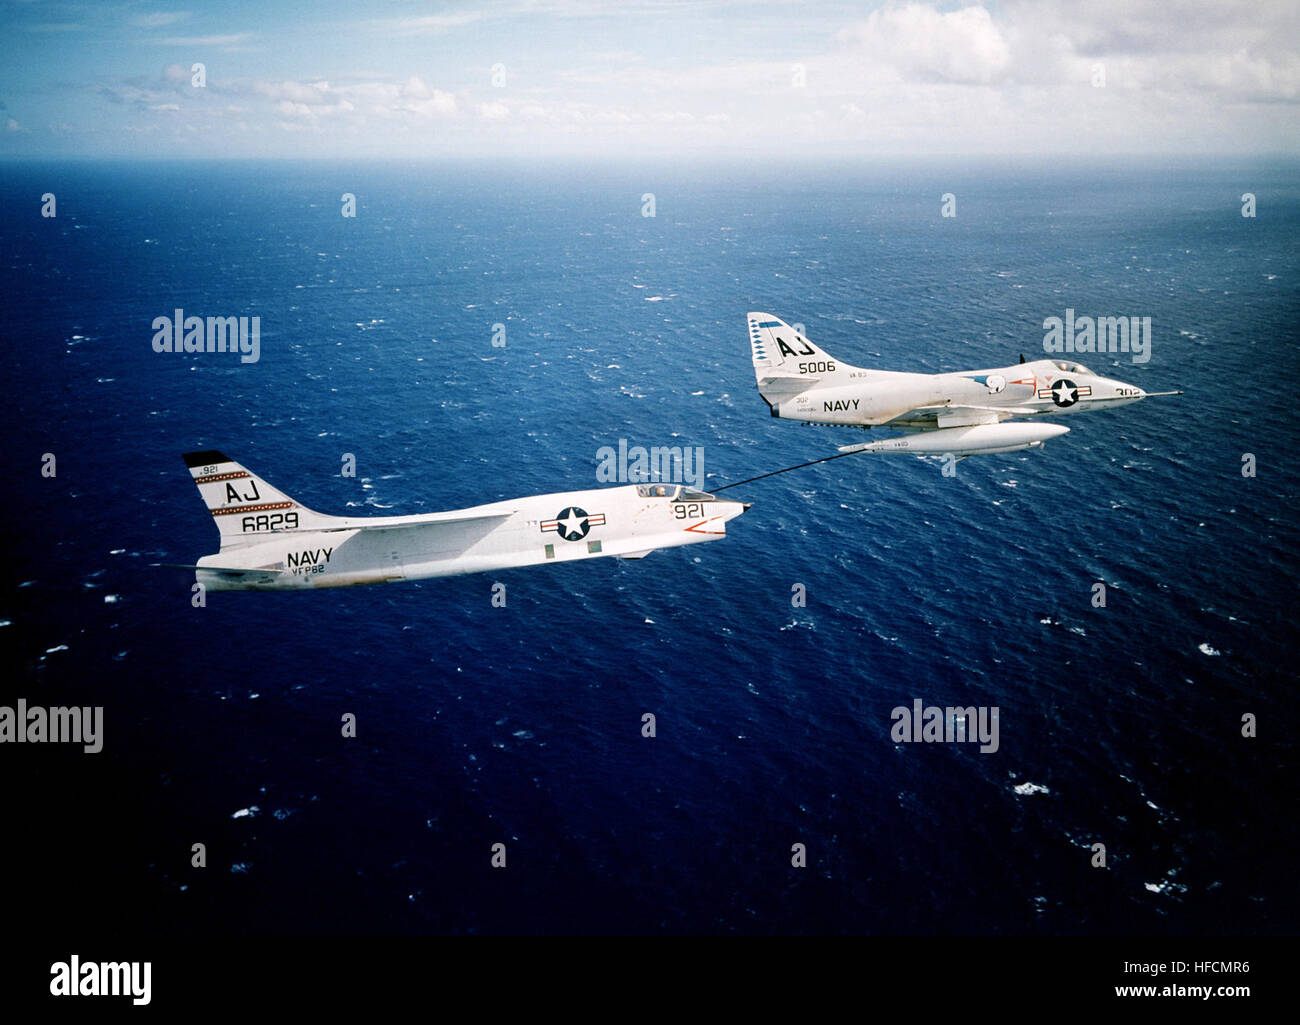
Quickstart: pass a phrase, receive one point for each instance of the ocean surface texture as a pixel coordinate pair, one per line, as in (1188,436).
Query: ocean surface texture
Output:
(479,725)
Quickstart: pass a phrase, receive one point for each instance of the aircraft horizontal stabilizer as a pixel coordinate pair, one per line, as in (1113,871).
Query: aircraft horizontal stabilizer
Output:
(228,571)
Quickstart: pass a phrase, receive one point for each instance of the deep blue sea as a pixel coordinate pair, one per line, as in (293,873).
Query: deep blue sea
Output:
(521,725)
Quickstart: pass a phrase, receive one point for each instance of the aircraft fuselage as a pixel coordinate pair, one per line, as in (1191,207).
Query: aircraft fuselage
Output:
(875,397)
(258,553)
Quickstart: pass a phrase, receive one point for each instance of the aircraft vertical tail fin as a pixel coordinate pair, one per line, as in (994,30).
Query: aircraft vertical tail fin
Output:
(244,507)
(785,362)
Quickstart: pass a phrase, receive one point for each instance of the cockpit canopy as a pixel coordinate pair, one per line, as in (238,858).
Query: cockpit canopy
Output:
(675,492)
(658,490)
(1065,366)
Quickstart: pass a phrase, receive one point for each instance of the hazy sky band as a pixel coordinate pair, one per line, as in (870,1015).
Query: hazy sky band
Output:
(584,76)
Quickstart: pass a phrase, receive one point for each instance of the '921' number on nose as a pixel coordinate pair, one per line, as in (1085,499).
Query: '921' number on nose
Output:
(684,512)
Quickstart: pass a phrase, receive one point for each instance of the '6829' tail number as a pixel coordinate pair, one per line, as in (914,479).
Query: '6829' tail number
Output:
(271,521)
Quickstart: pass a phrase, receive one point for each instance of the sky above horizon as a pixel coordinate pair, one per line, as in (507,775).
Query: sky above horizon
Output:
(538,78)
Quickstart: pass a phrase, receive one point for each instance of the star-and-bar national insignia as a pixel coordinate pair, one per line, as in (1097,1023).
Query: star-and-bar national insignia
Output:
(1065,392)
(573,524)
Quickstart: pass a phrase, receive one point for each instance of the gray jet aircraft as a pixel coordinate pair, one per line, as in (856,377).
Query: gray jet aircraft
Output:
(961,413)
(271,542)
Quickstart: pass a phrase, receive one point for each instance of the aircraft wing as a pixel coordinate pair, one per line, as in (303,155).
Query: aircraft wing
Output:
(429,537)
(415,522)
(933,418)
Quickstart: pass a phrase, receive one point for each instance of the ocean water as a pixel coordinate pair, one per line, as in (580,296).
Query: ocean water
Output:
(522,725)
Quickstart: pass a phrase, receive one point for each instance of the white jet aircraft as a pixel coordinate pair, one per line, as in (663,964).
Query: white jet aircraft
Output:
(957,414)
(271,542)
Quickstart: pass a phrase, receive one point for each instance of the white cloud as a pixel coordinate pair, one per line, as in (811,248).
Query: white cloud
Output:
(913,76)
(372,99)
(432,23)
(921,43)
(159,19)
(297,92)
(415,88)
(227,40)
(439,104)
